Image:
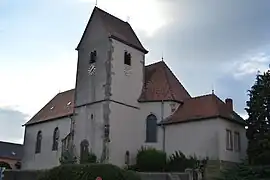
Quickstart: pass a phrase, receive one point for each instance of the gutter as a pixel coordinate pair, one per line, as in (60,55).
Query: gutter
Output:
(163,126)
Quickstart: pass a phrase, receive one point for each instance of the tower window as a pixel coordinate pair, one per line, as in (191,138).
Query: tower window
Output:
(127,58)
(93,57)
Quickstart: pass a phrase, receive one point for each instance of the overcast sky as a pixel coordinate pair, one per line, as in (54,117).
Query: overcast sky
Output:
(210,44)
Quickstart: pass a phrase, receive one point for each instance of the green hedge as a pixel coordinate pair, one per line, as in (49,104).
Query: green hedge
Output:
(88,172)
(150,160)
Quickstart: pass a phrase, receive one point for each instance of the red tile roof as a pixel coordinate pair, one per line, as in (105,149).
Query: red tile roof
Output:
(60,106)
(161,84)
(202,107)
(117,29)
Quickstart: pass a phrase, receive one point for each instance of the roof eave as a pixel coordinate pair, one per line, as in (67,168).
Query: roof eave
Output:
(165,100)
(129,44)
(168,122)
(46,120)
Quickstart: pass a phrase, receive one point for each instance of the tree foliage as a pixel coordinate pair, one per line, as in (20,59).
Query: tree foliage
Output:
(5,165)
(68,157)
(150,160)
(258,122)
(244,171)
(88,172)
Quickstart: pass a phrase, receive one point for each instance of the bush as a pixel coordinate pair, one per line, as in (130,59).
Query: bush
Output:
(68,157)
(90,158)
(150,160)
(88,172)
(177,162)
(5,165)
(131,175)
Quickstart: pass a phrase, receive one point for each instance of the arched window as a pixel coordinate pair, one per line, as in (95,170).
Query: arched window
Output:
(127,156)
(38,142)
(84,151)
(55,139)
(151,128)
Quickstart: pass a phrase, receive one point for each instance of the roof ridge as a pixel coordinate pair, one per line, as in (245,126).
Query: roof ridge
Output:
(215,100)
(103,11)
(40,110)
(196,97)
(65,91)
(165,68)
(175,78)
(155,63)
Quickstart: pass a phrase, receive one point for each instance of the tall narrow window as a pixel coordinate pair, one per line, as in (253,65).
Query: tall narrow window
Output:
(127,58)
(229,141)
(55,139)
(84,151)
(237,142)
(127,158)
(151,128)
(93,57)
(38,142)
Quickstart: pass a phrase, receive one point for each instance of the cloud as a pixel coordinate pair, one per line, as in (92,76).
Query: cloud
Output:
(145,16)
(206,37)
(207,44)
(11,125)
(252,65)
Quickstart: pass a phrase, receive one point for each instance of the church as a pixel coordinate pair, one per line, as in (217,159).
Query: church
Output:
(119,105)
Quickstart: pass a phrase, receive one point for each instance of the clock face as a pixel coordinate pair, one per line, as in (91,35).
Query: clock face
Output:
(91,69)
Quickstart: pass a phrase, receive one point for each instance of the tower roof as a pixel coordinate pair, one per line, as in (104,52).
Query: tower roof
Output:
(116,29)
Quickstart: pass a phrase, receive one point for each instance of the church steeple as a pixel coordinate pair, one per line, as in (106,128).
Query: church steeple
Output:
(116,29)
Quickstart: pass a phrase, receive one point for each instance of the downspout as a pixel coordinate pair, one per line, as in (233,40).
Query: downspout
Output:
(163,126)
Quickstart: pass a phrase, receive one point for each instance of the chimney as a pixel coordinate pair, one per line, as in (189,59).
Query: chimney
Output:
(229,103)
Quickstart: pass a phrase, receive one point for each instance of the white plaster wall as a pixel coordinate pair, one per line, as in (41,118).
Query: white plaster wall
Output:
(124,132)
(126,88)
(91,88)
(128,129)
(198,137)
(205,138)
(233,155)
(47,158)
(90,129)
(155,108)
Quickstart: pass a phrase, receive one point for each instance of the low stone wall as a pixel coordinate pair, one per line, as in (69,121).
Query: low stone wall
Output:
(164,176)
(21,175)
(33,175)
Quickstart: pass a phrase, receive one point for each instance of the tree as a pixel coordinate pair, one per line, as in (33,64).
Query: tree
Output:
(5,165)
(68,156)
(258,122)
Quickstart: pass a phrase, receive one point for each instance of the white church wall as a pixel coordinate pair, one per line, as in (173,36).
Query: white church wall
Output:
(128,129)
(127,81)
(198,137)
(231,155)
(124,132)
(205,138)
(46,158)
(91,88)
(155,108)
(89,127)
